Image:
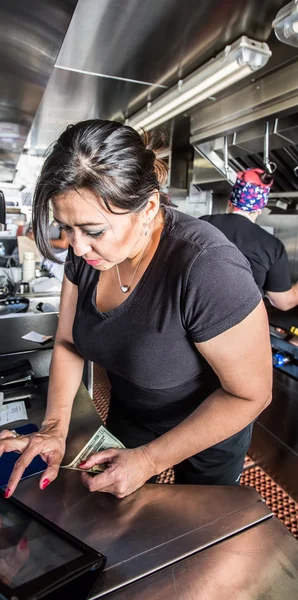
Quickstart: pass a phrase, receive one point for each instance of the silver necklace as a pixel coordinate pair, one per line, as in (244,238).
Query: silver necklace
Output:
(126,288)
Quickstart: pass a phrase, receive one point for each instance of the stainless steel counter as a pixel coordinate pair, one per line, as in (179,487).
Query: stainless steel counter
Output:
(259,564)
(157,526)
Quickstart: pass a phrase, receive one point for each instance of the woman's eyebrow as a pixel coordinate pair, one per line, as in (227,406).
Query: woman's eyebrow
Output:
(83,224)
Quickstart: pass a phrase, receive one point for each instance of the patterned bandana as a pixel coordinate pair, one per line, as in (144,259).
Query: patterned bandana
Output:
(249,193)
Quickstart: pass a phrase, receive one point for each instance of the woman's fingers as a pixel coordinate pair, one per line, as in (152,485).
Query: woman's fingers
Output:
(52,471)
(14,444)
(99,458)
(99,483)
(20,466)
(6,433)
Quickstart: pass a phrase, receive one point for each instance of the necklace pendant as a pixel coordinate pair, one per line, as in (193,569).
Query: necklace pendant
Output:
(124,289)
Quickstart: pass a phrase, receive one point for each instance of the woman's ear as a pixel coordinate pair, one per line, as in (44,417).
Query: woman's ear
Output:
(152,207)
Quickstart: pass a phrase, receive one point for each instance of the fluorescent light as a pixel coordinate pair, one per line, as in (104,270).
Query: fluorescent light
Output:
(285,24)
(236,62)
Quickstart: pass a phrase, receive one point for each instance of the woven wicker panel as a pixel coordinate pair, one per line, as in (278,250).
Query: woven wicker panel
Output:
(281,504)
(101,391)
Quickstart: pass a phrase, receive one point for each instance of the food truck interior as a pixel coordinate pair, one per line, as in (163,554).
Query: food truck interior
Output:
(217,82)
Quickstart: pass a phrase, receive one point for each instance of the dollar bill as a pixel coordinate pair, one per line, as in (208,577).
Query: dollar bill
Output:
(101,440)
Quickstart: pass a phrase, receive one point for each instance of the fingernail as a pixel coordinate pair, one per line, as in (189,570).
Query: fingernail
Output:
(45,483)
(23,544)
(82,463)
(7,492)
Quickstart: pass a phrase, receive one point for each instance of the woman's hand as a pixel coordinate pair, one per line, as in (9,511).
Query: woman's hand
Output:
(126,471)
(49,443)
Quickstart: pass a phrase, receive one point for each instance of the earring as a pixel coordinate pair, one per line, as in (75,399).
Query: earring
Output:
(145,228)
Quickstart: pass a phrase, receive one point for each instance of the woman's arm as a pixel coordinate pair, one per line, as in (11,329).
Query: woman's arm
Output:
(65,377)
(66,366)
(60,243)
(241,357)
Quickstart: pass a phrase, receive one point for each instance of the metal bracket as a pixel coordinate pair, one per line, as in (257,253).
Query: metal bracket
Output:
(269,166)
(222,166)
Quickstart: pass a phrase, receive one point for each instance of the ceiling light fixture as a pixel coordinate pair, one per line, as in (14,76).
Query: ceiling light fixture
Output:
(237,61)
(285,24)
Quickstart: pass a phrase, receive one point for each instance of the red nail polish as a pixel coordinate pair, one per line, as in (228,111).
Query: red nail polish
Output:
(23,544)
(45,483)
(7,492)
(82,463)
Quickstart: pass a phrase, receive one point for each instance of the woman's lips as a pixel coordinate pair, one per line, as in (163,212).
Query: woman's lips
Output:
(94,263)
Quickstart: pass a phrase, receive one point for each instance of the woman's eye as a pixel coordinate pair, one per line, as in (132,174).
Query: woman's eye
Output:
(94,234)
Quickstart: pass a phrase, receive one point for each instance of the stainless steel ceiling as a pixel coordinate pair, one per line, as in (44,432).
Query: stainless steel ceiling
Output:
(31,33)
(131,49)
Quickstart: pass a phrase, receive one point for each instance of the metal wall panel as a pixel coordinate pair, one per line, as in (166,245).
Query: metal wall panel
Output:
(72,97)
(31,33)
(159,41)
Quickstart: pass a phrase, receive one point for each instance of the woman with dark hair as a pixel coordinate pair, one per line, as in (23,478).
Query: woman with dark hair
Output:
(159,299)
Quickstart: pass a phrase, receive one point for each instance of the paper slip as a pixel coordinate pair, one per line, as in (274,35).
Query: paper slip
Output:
(33,336)
(14,411)
(101,440)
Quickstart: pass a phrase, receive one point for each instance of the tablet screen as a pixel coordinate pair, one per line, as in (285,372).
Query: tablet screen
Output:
(28,549)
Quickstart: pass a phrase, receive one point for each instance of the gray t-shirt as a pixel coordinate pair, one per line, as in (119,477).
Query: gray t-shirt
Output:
(197,286)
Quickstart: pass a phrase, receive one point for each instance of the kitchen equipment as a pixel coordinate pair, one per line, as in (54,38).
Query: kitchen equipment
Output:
(2,211)
(24,287)
(46,307)
(28,266)
(13,304)
(3,292)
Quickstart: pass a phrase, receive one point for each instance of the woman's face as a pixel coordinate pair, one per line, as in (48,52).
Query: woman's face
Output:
(97,235)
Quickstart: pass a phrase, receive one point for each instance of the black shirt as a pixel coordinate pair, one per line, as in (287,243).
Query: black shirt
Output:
(265,252)
(196,286)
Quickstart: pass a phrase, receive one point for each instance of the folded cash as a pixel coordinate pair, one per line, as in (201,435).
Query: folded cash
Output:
(101,440)
(93,470)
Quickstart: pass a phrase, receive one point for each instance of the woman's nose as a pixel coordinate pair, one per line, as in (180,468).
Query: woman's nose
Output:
(80,245)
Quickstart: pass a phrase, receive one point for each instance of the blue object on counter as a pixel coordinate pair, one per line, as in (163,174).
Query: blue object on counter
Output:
(279,359)
(8,459)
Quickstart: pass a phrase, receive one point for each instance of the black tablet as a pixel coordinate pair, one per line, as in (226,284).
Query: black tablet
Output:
(36,556)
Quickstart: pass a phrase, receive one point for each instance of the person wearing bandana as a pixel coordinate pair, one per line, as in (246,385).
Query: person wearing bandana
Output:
(265,252)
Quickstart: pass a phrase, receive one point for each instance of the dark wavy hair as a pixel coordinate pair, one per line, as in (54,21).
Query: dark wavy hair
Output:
(106,157)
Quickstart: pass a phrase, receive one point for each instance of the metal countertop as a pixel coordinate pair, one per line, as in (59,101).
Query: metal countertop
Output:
(156,526)
(259,564)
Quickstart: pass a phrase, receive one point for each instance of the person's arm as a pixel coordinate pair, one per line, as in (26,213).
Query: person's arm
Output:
(284,300)
(65,377)
(278,286)
(242,359)
(67,364)
(61,243)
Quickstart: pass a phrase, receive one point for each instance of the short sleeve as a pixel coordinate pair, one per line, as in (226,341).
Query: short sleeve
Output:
(70,268)
(219,293)
(278,278)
